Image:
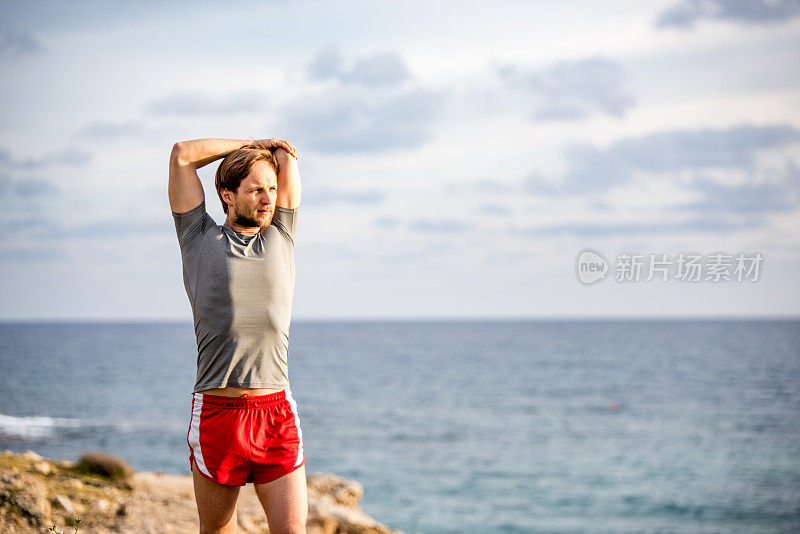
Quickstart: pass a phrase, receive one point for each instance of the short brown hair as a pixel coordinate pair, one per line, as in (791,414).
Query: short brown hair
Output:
(237,165)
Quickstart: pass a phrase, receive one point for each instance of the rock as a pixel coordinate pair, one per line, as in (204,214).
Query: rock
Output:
(65,464)
(342,491)
(30,498)
(154,503)
(249,523)
(333,507)
(321,525)
(348,520)
(43,467)
(64,503)
(30,455)
(101,505)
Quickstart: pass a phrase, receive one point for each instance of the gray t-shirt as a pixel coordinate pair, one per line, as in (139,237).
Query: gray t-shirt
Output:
(240,287)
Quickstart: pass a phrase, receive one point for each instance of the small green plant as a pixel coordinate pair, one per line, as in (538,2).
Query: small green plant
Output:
(72,521)
(106,466)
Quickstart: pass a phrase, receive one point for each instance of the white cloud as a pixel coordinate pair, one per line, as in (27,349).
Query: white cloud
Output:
(416,157)
(571,90)
(686,13)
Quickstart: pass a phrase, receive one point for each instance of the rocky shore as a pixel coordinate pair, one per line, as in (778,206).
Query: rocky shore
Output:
(101,494)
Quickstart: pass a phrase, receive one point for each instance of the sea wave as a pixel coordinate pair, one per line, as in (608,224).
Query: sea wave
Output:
(35,426)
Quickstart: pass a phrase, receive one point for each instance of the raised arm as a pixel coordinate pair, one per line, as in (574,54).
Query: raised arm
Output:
(288,180)
(185,188)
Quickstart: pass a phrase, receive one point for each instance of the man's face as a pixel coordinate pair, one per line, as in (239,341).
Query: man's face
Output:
(254,201)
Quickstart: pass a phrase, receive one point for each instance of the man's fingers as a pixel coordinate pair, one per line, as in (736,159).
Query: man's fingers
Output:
(290,148)
(279,143)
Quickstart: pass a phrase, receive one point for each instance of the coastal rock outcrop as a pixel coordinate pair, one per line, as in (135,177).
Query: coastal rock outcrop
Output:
(101,494)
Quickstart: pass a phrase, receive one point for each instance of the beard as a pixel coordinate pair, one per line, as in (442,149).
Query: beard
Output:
(250,218)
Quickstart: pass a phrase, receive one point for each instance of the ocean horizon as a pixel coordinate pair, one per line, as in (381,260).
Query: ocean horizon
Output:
(668,424)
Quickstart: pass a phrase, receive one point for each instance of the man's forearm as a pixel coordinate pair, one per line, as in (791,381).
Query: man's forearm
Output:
(201,152)
(288,179)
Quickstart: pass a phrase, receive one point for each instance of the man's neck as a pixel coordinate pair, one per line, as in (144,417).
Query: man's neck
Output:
(241,229)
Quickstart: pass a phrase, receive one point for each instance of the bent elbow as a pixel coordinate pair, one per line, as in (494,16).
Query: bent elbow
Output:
(179,156)
(176,150)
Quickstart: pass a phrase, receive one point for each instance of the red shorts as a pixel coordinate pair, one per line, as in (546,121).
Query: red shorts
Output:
(236,440)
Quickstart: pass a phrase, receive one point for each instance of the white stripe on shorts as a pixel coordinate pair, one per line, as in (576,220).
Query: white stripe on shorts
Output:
(293,404)
(194,434)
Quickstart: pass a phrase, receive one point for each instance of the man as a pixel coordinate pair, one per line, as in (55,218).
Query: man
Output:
(239,278)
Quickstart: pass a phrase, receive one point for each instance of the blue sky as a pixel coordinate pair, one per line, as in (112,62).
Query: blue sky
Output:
(456,157)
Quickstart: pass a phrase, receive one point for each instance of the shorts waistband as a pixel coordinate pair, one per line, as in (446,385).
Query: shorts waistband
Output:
(221,401)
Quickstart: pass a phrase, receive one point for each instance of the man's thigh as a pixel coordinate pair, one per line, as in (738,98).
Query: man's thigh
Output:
(285,501)
(216,504)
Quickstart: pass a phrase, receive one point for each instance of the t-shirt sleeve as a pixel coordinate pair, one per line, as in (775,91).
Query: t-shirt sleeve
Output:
(191,225)
(286,220)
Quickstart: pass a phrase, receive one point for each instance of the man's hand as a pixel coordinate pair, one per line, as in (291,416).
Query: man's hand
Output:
(276,143)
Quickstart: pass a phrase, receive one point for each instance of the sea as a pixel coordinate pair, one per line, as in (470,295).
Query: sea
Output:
(542,426)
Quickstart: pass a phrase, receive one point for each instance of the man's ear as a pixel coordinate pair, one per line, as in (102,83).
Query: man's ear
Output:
(227,196)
